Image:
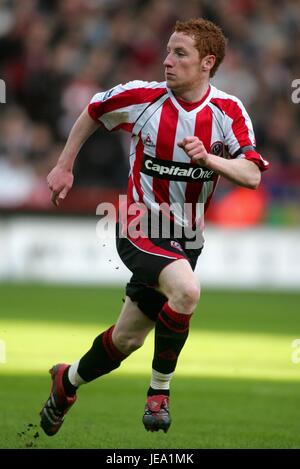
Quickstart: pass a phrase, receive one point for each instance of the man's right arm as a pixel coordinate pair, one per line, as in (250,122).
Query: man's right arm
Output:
(60,179)
(118,108)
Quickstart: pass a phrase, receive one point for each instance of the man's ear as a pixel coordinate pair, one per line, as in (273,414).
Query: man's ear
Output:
(208,62)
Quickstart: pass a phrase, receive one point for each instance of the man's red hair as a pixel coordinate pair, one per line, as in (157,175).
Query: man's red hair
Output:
(209,38)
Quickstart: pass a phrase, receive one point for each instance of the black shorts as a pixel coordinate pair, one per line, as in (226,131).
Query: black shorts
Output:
(146,258)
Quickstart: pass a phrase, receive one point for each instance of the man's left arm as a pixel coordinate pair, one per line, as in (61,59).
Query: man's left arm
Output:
(240,171)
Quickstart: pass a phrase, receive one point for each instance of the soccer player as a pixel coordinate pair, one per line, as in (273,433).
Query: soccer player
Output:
(185,133)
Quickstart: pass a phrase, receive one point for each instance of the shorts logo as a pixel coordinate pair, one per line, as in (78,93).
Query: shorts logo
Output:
(176,245)
(175,170)
(217,148)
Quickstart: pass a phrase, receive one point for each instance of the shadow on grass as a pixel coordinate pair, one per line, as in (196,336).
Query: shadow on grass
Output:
(206,412)
(241,311)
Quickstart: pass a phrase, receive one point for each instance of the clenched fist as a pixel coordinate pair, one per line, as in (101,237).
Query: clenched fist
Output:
(195,149)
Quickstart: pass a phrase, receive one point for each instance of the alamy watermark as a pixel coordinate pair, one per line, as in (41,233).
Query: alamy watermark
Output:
(2,92)
(138,220)
(296,93)
(296,352)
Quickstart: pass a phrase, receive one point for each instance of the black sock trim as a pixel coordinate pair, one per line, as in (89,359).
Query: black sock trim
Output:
(70,390)
(156,392)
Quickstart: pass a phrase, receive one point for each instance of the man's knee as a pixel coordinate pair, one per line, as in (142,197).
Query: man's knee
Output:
(185,299)
(178,283)
(127,343)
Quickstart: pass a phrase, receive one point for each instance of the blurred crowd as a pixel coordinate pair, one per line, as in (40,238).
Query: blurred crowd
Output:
(56,54)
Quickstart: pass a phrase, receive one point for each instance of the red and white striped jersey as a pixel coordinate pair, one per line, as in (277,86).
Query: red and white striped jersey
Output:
(160,171)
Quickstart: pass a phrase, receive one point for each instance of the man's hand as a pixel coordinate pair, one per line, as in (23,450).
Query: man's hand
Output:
(60,181)
(195,149)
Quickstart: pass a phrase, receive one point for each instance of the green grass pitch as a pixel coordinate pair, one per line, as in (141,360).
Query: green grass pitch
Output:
(236,385)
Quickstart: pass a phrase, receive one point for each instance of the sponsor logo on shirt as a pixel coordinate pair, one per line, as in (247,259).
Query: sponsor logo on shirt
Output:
(175,170)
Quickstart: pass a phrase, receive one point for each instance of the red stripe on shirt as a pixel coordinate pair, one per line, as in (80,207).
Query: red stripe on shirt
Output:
(124,126)
(136,172)
(239,127)
(122,211)
(165,148)
(124,99)
(203,130)
(130,190)
(255,157)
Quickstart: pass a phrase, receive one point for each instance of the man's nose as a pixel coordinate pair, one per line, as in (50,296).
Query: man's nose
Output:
(168,61)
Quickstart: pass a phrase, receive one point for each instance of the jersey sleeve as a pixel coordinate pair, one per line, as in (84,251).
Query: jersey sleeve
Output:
(239,134)
(120,107)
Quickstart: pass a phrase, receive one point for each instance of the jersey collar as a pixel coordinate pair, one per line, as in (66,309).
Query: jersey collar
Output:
(190,108)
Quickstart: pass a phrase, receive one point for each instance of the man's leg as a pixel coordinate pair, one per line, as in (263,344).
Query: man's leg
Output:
(109,349)
(178,283)
(132,328)
(114,345)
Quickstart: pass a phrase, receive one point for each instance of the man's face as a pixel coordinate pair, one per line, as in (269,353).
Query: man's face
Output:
(183,67)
